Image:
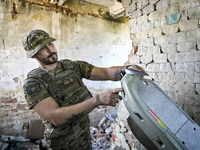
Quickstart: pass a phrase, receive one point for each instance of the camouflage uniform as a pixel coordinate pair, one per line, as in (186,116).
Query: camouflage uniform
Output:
(65,85)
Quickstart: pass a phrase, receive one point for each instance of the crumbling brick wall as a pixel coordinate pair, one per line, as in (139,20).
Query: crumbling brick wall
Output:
(170,53)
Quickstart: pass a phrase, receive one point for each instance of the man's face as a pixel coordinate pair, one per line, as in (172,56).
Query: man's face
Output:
(47,55)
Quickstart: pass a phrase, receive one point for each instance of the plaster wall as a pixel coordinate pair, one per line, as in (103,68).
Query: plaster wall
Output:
(100,42)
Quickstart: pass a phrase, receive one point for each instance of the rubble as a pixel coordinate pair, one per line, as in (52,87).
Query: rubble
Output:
(101,136)
(113,134)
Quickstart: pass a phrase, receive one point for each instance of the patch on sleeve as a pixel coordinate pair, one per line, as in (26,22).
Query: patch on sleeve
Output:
(33,88)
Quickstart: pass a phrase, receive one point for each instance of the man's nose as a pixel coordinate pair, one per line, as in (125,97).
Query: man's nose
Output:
(49,48)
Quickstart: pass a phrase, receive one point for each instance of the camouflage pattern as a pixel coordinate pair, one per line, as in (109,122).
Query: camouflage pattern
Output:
(65,85)
(34,41)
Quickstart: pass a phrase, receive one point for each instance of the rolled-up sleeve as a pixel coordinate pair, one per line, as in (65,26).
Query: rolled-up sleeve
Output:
(35,92)
(84,68)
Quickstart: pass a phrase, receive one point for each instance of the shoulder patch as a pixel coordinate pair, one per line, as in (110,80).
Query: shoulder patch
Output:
(32,88)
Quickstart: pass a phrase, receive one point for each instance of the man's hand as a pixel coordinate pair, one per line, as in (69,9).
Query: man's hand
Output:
(111,73)
(136,67)
(110,98)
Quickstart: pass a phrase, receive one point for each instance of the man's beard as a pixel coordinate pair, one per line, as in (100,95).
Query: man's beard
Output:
(49,60)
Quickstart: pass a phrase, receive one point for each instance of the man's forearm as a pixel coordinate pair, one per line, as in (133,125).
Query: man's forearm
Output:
(49,110)
(115,73)
(111,73)
(75,112)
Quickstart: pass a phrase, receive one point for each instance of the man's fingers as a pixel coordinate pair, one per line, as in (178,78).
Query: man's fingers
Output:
(136,67)
(115,101)
(111,98)
(116,91)
(140,68)
(115,96)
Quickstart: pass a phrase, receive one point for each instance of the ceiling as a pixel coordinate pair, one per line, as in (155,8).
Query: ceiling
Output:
(108,3)
(106,9)
(115,7)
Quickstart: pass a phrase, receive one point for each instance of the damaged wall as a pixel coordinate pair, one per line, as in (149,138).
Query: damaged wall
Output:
(169,52)
(101,42)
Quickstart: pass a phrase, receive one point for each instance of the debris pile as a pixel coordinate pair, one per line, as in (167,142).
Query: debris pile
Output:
(123,138)
(101,136)
(113,134)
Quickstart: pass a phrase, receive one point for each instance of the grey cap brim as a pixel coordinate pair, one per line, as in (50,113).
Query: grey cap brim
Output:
(32,52)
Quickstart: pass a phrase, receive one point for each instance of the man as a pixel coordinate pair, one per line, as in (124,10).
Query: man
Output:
(56,92)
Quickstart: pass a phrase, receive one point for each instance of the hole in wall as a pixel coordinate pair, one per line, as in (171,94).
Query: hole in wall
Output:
(141,12)
(168,60)
(197,47)
(154,7)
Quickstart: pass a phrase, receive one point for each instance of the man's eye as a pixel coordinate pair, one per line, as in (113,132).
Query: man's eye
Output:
(50,43)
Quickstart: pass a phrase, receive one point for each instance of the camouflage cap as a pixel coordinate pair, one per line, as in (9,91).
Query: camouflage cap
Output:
(35,40)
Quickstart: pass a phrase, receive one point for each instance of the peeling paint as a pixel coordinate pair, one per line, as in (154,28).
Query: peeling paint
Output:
(17,80)
(39,17)
(4,45)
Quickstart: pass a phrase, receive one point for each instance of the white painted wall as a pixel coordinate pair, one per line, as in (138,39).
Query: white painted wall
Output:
(97,41)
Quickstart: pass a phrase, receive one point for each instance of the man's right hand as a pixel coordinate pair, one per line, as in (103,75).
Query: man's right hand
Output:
(110,98)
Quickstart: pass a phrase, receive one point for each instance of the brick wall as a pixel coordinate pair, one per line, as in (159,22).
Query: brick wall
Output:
(170,53)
